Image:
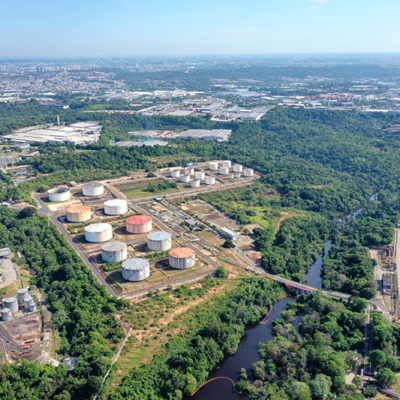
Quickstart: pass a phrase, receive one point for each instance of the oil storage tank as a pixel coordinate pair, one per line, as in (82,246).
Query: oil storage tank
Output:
(200,175)
(182,258)
(11,303)
(135,269)
(185,178)
(210,180)
(97,233)
(59,194)
(189,171)
(195,184)
(30,304)
(213,166)
(224,171)
(237,168)
(115,207)
(114,252)
(248,172)
(226,163)
(93,189)
(22,295)
(6,314)
(139,224)
(77,213)
(159,241)
(175,174)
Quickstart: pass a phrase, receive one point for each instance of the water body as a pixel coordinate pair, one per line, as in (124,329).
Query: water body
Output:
(247,354)
(313,275)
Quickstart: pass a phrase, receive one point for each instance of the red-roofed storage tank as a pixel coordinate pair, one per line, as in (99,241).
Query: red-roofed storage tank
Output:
(139,224)
(182,258)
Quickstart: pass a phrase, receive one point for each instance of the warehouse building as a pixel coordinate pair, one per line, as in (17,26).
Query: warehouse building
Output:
(220,135)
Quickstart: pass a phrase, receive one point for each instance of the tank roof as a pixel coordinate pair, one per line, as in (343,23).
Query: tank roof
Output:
(115,202)
(9,299)
(6,310)
(159,235)
(113,246)
(58,190)
(138,219)
(135,263)
(23,290)
(98,227)
(77,209)
(181,252)
(93,185)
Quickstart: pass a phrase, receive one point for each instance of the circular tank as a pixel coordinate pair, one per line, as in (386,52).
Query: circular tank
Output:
(11,303)
(175,174)
(97,233)
(237,168)
(78,213)
(195,184)
(30,304)
(248,172)
(114,252)
(6,314)
(27,302)
(231,176)
(185,178)
(238,175)
(59,194)
(138,224)
(93,189)
(213,166)
(226,163)
(22,295)
(159,241)
(115,207)
(182,258)
(189,171)
(224,171)
(135,269)
(200,175)
(210,180)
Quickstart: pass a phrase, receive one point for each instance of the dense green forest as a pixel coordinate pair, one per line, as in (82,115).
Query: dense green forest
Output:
(80,309)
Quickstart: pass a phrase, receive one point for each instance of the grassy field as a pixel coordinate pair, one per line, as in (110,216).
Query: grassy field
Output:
(137,189)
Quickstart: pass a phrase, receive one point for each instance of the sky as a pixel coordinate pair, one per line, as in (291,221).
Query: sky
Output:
(129,28)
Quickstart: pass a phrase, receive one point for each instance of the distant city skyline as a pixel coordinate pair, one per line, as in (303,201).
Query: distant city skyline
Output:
(129,28)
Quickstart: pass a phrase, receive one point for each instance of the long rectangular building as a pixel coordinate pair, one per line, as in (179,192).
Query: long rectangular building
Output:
(220,135)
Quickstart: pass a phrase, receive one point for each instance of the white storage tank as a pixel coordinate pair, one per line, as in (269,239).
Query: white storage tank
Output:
(224,171)
(195,184)
(200,175)
(27,303)
(139,224)
(213,166)
(135,269)
(11,303)
(238,175)
(175,174)
(159,241)
(210,180)
(22,295)
(237,168)
(30,305)
(114,252)
(226,163)
(115,207)
(248,172)
(189,171)
(185,178)
(231,176)
(59,194)
(93,189)
(97,233)
(182,258)
(77,213)
(6,314)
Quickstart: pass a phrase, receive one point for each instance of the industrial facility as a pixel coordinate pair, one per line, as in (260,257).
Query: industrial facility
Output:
(115,207)
(139,224)
(114,252)
(159,241)
(97,233)
(59,194)
(220,135)
(182,258)
(78,213)
(24,302)
(81,133)
(135,269)
(93,189)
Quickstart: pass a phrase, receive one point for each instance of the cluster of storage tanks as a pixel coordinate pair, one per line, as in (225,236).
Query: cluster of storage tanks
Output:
(195,181)
(12,305)
(226,166)
(64,193)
